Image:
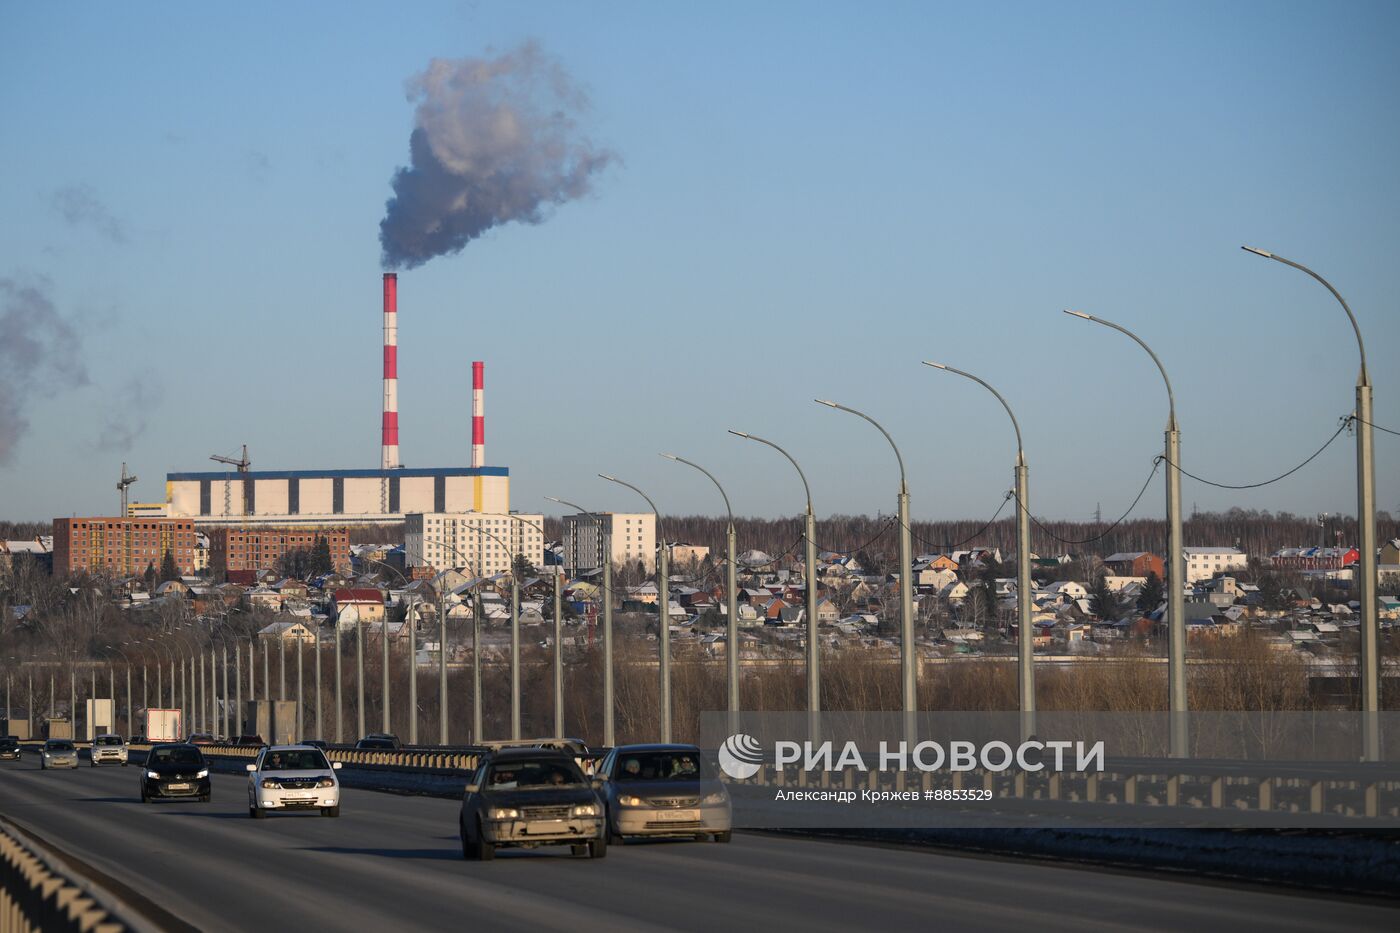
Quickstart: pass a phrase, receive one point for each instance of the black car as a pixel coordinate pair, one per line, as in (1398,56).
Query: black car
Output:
(378,743)
(528,797)
(175,770)
(315,743)
(9,748)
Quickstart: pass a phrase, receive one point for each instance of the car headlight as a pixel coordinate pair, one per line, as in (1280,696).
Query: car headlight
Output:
(627,800)
(586,809)
(717,797)
(202,774)
(503,813)
(152,775)
(269,784)
(326,782)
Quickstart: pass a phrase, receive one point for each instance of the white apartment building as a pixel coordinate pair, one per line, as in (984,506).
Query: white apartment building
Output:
(483,543)
(1203,563)
(633,539)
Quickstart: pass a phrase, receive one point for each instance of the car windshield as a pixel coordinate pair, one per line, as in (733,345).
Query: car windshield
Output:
(658,766)
(108,740)
(176,756)
(295,759)
(510,775)
(59,746)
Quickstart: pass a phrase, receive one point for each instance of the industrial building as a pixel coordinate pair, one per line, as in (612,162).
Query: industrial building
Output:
(120,546)
(296,499)
(483,542)
(633,539)
(319,498)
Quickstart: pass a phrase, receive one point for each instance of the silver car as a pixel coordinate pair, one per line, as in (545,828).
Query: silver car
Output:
(664,790)
(293,777)
(108,749)
(59,753)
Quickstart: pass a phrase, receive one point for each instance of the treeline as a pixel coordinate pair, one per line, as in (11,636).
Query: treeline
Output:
(1257,533)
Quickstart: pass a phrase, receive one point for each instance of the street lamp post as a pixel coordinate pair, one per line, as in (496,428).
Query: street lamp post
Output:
(1176,567)
(1366,522)
(663,606)
(609,705)
(731,653)
(814,698)
(1025,641)
(908,653)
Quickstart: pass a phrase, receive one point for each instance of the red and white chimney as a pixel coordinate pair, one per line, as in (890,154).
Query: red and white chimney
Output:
(478,414)
(389,433)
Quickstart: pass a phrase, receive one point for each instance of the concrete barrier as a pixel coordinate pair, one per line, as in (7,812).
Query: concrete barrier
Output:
(37,894)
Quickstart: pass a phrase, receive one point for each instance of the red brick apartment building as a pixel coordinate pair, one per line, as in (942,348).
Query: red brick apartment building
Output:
(261,548)
(121,547)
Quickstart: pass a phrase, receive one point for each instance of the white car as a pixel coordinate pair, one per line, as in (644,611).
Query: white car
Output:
(293,777)
(108,748)
(59,753)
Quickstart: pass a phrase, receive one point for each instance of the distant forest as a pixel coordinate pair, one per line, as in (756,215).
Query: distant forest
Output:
(1257,533)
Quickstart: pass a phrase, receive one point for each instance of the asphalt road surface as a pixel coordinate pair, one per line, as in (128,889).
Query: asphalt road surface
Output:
(393,862)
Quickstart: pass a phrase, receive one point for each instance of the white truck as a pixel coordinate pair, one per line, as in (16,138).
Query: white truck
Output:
(164,725)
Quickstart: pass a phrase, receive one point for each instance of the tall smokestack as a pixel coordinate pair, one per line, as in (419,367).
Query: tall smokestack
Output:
(389,436)
(478,414)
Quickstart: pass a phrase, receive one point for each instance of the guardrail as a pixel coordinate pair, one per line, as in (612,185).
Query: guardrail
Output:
(1331,789)
(38,895)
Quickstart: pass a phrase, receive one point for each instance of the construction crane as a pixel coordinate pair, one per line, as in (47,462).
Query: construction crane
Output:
(242,464)
(124,482)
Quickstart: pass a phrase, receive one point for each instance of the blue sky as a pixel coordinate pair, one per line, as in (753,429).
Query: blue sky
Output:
(811,199)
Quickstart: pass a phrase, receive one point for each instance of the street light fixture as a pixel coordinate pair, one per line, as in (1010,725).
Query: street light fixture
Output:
(908,656)
(1366,521)
(731,654)
(814,700)
(1025,619)
(609,706)
(1176,567)
(663,613)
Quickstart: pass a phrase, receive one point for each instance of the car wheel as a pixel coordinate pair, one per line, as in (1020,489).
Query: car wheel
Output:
(579,850)
(204,798)
(257,812)
(331,811)
(598,847)
(722,837)
(144,798)
(123,764)
(485,851)
(468,852)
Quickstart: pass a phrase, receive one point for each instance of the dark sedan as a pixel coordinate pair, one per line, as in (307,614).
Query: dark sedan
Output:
(175,770)
(529,797)
(9,748)
(664,790)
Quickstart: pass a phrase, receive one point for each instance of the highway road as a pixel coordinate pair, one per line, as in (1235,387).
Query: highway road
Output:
(392,862)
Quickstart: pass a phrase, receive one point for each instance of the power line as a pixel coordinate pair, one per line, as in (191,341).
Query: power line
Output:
(1346,422)
(945,546)
(1156,462)
(1376,426)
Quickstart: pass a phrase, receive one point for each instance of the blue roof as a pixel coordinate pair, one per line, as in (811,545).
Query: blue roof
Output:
(339,474)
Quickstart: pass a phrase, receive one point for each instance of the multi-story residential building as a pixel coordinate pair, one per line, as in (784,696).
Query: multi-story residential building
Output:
(1204,563)
(121,546)
(242,548)
(485,543)
(633,536)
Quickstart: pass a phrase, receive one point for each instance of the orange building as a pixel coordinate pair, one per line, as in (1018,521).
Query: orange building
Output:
(262,548)
(121,547)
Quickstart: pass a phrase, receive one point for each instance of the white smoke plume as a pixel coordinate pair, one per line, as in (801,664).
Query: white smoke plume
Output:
(494,140)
